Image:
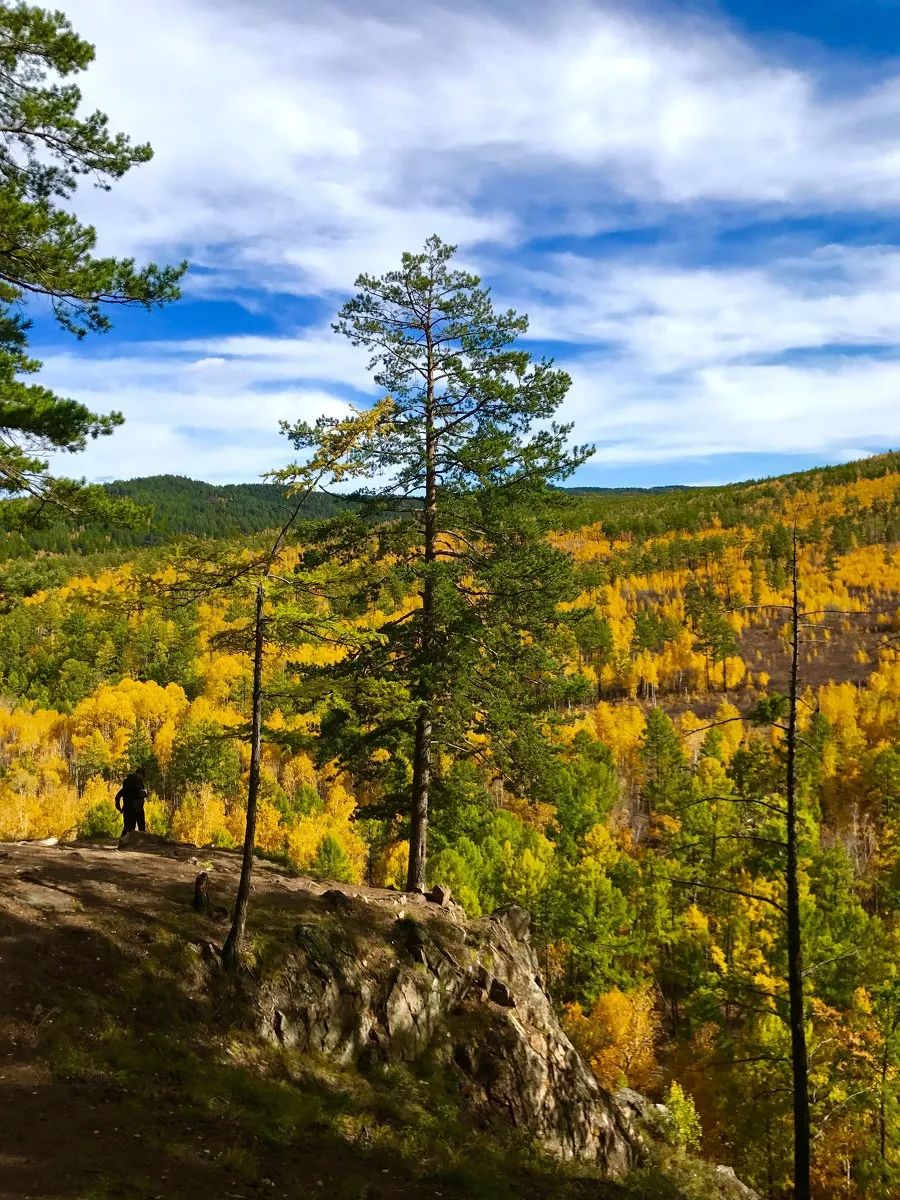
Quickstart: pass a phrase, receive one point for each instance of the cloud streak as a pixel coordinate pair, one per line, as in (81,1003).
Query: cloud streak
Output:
(297,145)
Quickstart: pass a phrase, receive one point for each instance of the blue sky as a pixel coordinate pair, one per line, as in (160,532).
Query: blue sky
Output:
(696,204)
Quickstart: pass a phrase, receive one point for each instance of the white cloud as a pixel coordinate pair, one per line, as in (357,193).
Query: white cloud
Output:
(301,143)
(837,408)
(212,418)
(673,382)
(315,353)
(298,144)
(677,317)
(798,356)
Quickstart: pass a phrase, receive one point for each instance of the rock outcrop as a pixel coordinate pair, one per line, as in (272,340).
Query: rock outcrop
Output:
(358,974)
(358,983)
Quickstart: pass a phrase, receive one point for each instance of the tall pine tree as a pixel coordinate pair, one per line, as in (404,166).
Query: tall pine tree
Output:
(47,148)
(467,458)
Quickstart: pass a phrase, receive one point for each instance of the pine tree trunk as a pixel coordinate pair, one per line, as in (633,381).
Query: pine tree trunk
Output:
(882,1113)
(418,832)
(799,1062)
(231,951)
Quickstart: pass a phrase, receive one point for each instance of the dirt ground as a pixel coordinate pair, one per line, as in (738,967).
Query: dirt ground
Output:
(61,1137)
(119,1079)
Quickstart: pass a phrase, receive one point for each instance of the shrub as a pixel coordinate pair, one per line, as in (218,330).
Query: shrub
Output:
(100,821)
(331,861)
(683,1125)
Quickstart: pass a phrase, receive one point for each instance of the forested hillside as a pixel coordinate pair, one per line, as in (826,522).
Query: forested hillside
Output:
(580,806)
(171,506)
(646,840)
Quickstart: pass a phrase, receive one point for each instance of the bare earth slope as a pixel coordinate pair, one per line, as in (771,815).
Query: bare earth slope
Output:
(129,1066)
(379,1047)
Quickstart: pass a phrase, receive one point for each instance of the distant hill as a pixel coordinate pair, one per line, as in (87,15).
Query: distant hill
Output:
(177,506)
(651,512)
(631,491)
(181,506)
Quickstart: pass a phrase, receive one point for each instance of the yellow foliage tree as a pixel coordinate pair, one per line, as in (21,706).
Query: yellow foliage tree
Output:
(618,1036)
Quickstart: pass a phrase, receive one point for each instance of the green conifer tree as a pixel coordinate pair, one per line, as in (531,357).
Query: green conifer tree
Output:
(467,455)
(47,148)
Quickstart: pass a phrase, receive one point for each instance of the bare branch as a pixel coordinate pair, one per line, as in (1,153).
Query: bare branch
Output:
(718,887)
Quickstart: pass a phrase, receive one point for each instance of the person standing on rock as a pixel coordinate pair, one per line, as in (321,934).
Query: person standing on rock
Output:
(130,802)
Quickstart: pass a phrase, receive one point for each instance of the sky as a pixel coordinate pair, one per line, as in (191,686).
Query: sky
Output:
(695,203)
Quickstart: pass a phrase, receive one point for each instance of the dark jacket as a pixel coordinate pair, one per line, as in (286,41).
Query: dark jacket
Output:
(132,792)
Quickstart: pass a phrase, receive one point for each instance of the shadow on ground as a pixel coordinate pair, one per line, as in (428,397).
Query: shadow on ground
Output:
(123,1073)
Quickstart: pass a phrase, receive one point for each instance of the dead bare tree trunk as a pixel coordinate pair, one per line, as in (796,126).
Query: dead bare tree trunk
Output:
(418,834)
(231,951)
(799,1058)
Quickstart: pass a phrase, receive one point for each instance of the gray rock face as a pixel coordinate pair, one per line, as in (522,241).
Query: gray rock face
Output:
(38,895)
(514,920)
(466,993)
(726,1178)
(139,840)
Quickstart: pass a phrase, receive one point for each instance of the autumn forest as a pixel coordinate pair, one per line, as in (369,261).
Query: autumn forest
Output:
(664,722)
(645,839)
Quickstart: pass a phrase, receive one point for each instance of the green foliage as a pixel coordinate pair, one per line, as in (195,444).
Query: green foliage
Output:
(683,1124)
(585,790)
(653,629)
(594,639)
(57,651)
(706,612)
(769,709)
(172,506)
(500,860)
(204,753)
(49,147)
(667,783)
(101,821)
(675,1176)
(587,908)
(139,755)
(470,434)
(331,861)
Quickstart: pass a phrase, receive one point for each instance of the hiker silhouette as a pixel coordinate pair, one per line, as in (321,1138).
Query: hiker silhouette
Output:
(130,802)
